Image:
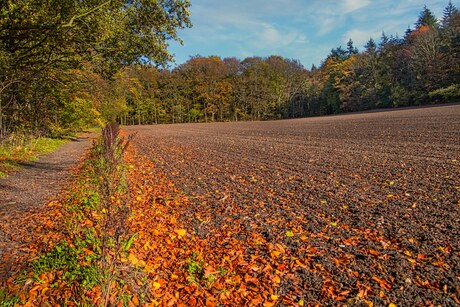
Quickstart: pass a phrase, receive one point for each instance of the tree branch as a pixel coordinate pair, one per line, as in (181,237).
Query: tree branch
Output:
(70,23)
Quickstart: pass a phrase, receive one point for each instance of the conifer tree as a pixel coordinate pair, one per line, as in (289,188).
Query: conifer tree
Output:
(426,18)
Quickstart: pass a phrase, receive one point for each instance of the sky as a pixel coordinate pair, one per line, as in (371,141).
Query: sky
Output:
(305,30)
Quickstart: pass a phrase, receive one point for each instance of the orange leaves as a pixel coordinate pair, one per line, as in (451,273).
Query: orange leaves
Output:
(276,250)
(382,282)
(276,279)
(209,271)
(373,252)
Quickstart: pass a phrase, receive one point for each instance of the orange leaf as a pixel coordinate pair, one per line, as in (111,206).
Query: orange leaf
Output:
(209,271)
(135,300)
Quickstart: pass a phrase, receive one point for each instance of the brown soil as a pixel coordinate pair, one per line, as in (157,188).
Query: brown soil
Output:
(24,199)
(374,198)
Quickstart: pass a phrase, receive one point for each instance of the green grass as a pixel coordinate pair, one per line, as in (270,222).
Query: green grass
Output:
(13,153)
(7,300)
(72,262)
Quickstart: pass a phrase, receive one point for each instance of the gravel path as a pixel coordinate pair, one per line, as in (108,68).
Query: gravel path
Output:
(25,194)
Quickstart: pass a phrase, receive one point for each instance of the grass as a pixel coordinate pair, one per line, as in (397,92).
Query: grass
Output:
(22,150)
(7,300)
(68,260)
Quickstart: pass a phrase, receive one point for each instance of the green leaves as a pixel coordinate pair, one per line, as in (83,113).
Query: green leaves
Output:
(130,241)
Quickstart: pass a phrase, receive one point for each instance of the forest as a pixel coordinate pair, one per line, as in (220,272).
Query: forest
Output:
(67,65)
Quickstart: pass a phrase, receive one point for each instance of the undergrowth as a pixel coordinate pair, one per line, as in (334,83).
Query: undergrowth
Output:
(89,266)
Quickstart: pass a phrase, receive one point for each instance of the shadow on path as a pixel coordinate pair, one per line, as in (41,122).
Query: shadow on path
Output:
(25,194)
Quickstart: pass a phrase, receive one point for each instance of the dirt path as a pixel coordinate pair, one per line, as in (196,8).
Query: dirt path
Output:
(24,197)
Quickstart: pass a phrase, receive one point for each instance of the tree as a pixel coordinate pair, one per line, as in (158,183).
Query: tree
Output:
(350,48)
(450,56)
(338,54)
(426,18)
(50,33)
(38,39)
(448,14)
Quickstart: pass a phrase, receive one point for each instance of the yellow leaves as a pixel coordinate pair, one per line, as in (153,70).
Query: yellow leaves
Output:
(334,224)
(180,232)
(133,259)
(274,297)
(289,234)
(301,303)
(407,253)
(147,246)
(174,277)
(156,285)
(276,279)
(369,303)
(258,241)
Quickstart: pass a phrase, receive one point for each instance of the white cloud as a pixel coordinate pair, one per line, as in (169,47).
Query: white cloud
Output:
(354,5)
(269,35)
(361,37)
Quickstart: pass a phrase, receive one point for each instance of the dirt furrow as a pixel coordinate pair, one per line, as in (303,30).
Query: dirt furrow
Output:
(376,194)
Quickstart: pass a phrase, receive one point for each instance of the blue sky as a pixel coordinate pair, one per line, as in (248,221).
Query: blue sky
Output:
(305,30)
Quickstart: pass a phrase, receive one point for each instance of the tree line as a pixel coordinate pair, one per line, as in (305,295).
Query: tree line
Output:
(67,76)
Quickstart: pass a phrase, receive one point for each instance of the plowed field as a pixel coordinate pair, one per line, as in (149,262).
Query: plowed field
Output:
(351,209)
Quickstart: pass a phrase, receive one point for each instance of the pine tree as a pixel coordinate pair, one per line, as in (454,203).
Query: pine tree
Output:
(448,13)
(384,39)
(370,47)
(350,48)
(426,18)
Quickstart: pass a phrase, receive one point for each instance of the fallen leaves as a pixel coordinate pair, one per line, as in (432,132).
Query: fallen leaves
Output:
(180,232)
